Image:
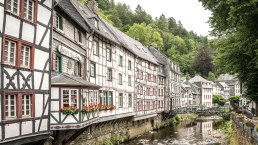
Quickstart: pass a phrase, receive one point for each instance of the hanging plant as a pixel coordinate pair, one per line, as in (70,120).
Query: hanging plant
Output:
(70,110)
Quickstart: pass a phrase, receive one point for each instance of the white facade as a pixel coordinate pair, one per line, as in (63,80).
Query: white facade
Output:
(25,40)
(206,90)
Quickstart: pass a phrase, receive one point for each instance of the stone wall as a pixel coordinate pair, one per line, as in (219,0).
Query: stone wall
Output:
(245,135)
(115,131)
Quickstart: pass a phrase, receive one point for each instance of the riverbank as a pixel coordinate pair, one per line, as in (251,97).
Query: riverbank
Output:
(119,131)
(242,130)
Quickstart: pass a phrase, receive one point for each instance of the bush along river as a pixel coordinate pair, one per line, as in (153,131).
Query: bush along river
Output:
(201,131)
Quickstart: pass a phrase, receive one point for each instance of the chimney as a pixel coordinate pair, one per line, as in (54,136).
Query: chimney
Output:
(92,4)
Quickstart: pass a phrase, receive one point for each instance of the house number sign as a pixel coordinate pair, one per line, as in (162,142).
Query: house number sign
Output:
(66,51)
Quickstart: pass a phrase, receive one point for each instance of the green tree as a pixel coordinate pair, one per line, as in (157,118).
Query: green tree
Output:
(237,22)
(203,61)
(146,35)
(234,102)
(211,76)
(218,99)
(141,16)
(163,23)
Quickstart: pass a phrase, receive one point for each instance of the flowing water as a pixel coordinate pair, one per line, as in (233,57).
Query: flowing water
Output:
(205,132)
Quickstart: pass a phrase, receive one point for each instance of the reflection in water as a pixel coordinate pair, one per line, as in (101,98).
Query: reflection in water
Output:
(195,133)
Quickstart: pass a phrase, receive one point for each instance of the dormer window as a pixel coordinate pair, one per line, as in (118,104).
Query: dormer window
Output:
(96,23)
(59,22)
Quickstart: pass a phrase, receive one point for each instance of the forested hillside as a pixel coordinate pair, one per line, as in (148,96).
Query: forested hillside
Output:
(184,47)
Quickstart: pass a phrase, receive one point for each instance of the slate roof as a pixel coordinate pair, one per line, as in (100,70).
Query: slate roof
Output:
(70,10)
(162,58)
(89,17)
(226,77)
(67,80)
(223,84)
(131,44)
(112,33)
(198,78)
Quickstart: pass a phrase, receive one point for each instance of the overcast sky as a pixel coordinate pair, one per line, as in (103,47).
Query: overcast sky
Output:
(189,12)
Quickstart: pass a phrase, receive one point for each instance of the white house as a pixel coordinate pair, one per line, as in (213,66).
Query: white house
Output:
(206,90)
(25,40)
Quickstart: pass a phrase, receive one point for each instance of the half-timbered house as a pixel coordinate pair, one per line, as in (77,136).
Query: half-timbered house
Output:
(145,79)
(73,99)
(163,74)
(108,65)
(25,46)
(175,85)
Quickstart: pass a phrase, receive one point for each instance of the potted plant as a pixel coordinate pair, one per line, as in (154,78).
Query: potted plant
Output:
(70,110)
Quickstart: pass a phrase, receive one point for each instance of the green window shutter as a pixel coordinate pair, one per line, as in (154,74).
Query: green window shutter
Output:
(94,70)
(60,64)
(110,54)
(61,22)
(106,97)
(111,98)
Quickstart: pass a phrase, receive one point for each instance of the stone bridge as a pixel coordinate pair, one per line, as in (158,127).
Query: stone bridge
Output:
(201,111)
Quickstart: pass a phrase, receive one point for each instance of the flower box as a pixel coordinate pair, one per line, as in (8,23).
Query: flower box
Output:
(69,110)
(97,107)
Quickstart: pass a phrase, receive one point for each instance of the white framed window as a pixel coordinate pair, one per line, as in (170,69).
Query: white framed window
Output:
(109,54)
(79,36)
(107,98)
(93,98)
(129,65)
(10,106)
(96,23)
(120,60)
(59,22)
(129,80)
(95,47)
(110,98)
(10,52)
(13,6)
(109,74)
(120,79)
(29,9)
(69,97)
(103,98)
(25,56)
(93,69)
(26,105)
(120,100)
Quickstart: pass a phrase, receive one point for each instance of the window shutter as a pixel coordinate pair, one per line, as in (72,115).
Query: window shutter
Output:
(75,68)
(122,100)
(106,97)
(63,26)
(53,62)
(111,93)
(54,19)
(75,35)
(81,69)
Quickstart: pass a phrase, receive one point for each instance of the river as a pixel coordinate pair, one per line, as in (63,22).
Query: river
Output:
(199,132)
